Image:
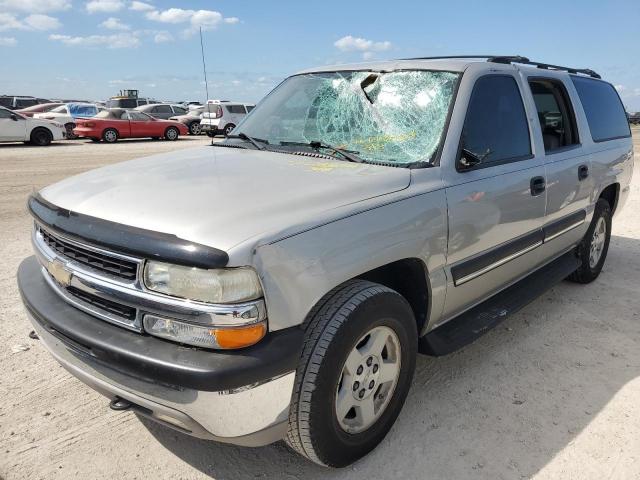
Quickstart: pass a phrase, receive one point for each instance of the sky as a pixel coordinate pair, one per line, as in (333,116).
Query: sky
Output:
(90,49)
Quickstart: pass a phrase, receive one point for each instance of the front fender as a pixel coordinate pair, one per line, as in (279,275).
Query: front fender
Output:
(299,270)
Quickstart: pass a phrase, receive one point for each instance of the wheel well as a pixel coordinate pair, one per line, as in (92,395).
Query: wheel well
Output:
(610,194)
(408,277)
(40,128)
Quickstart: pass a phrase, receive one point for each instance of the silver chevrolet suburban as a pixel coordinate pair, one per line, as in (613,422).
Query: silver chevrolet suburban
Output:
(279,285)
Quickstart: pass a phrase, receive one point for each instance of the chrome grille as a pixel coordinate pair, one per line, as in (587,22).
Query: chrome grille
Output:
(110,265)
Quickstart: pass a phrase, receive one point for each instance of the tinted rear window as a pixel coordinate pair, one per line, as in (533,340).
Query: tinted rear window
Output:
(6,101)
(605,113)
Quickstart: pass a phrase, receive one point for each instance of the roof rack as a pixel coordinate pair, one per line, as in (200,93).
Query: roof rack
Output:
(507,59)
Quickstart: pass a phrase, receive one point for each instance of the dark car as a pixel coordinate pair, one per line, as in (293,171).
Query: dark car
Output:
(163,111)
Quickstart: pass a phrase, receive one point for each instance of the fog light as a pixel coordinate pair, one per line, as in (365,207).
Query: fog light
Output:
(204,336)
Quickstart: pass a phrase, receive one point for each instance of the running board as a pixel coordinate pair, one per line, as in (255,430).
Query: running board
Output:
(468,326)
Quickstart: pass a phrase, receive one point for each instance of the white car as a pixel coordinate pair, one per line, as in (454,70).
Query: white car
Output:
(221,117)
(66,115)
(18,128)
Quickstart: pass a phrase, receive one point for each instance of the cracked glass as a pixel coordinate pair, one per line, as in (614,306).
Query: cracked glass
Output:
(384,117)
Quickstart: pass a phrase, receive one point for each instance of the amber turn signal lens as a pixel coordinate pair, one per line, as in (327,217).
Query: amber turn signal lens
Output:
(239,337)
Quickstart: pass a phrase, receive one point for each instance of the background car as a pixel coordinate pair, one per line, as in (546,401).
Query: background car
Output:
(40,108)
(68,114)
(18,128)
(191,119)
(15,102)
(634,118)
(222,117)
(162,110)
(115,123)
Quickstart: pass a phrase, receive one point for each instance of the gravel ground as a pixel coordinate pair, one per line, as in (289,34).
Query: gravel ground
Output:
(551,393)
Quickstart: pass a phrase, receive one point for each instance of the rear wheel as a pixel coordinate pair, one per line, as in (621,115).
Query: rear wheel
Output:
(172,133)
(595,245)
(110,135)
(41,137)
(354,373)
(69,128)
(228,129)
(194,128)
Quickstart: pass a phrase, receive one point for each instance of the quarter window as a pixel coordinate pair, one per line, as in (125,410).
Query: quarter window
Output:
(495,128)
(555,114)
(162,109)
(236,109)
(605,114)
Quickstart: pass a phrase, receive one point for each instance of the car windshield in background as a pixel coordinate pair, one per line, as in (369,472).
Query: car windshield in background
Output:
(395,117)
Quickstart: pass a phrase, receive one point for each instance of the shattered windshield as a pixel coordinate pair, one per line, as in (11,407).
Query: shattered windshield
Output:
(395,117)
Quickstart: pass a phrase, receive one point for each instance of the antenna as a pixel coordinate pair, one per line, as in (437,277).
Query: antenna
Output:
(206,83)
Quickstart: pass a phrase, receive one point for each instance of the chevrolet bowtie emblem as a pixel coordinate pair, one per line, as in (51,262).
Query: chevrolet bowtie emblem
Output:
(61,274)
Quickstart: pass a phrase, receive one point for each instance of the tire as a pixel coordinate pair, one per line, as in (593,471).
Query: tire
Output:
(593,248)
(194,128)
(110,135)
(172,134)
(340,328)
(41,137)
(95,139)
(228,128)
(69,128)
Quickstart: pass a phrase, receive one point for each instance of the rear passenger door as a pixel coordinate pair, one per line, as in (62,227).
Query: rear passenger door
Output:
(162,111)
(495,194)
(568,165)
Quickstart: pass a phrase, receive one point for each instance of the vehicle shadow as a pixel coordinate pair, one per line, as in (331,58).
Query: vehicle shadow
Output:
(502,407)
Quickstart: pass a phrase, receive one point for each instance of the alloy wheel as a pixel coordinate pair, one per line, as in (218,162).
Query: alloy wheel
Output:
(368,380)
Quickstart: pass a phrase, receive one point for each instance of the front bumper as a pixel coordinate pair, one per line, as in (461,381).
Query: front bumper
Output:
(239,397)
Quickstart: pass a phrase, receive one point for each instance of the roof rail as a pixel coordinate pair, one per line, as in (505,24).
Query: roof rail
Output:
(507,59)
(544,66)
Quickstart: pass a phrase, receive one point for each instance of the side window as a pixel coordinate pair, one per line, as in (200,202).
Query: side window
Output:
(236,109)
(495,128)
(249,107)
(179,110)
(555,113)
(163,109)
(605,114)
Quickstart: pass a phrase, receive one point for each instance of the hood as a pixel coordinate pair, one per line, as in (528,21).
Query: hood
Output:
(220,196)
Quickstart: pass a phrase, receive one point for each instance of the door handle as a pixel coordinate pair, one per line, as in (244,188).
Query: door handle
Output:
(538,185)
(583,172)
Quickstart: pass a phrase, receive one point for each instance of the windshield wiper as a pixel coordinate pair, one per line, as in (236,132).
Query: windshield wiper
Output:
(254,141)
(350,155)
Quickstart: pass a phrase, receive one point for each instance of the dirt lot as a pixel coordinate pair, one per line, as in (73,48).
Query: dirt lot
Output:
(551,393)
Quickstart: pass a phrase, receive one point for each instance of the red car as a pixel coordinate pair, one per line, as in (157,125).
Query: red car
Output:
(114,123)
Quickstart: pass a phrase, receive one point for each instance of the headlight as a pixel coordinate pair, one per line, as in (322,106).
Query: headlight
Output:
(229,285)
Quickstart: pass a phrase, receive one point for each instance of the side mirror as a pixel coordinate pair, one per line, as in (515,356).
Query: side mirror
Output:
(14,117)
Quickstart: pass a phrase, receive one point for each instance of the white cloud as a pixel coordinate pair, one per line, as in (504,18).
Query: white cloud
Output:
(141,6)
(113,23)
(172,15)
(38,21)
(163,37)
(357,44)
(34,6)
(10,22)
(8,42)
(108,6)
(207,19)
(117,40)
(620,88)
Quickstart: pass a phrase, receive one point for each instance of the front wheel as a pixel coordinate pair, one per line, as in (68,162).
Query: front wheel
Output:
(595,245)
(354,373)
(228,129)
(41,137)
(195,129)
(171,134)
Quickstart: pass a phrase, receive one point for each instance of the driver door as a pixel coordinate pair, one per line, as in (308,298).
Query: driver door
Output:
(496,196)
(11,130)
